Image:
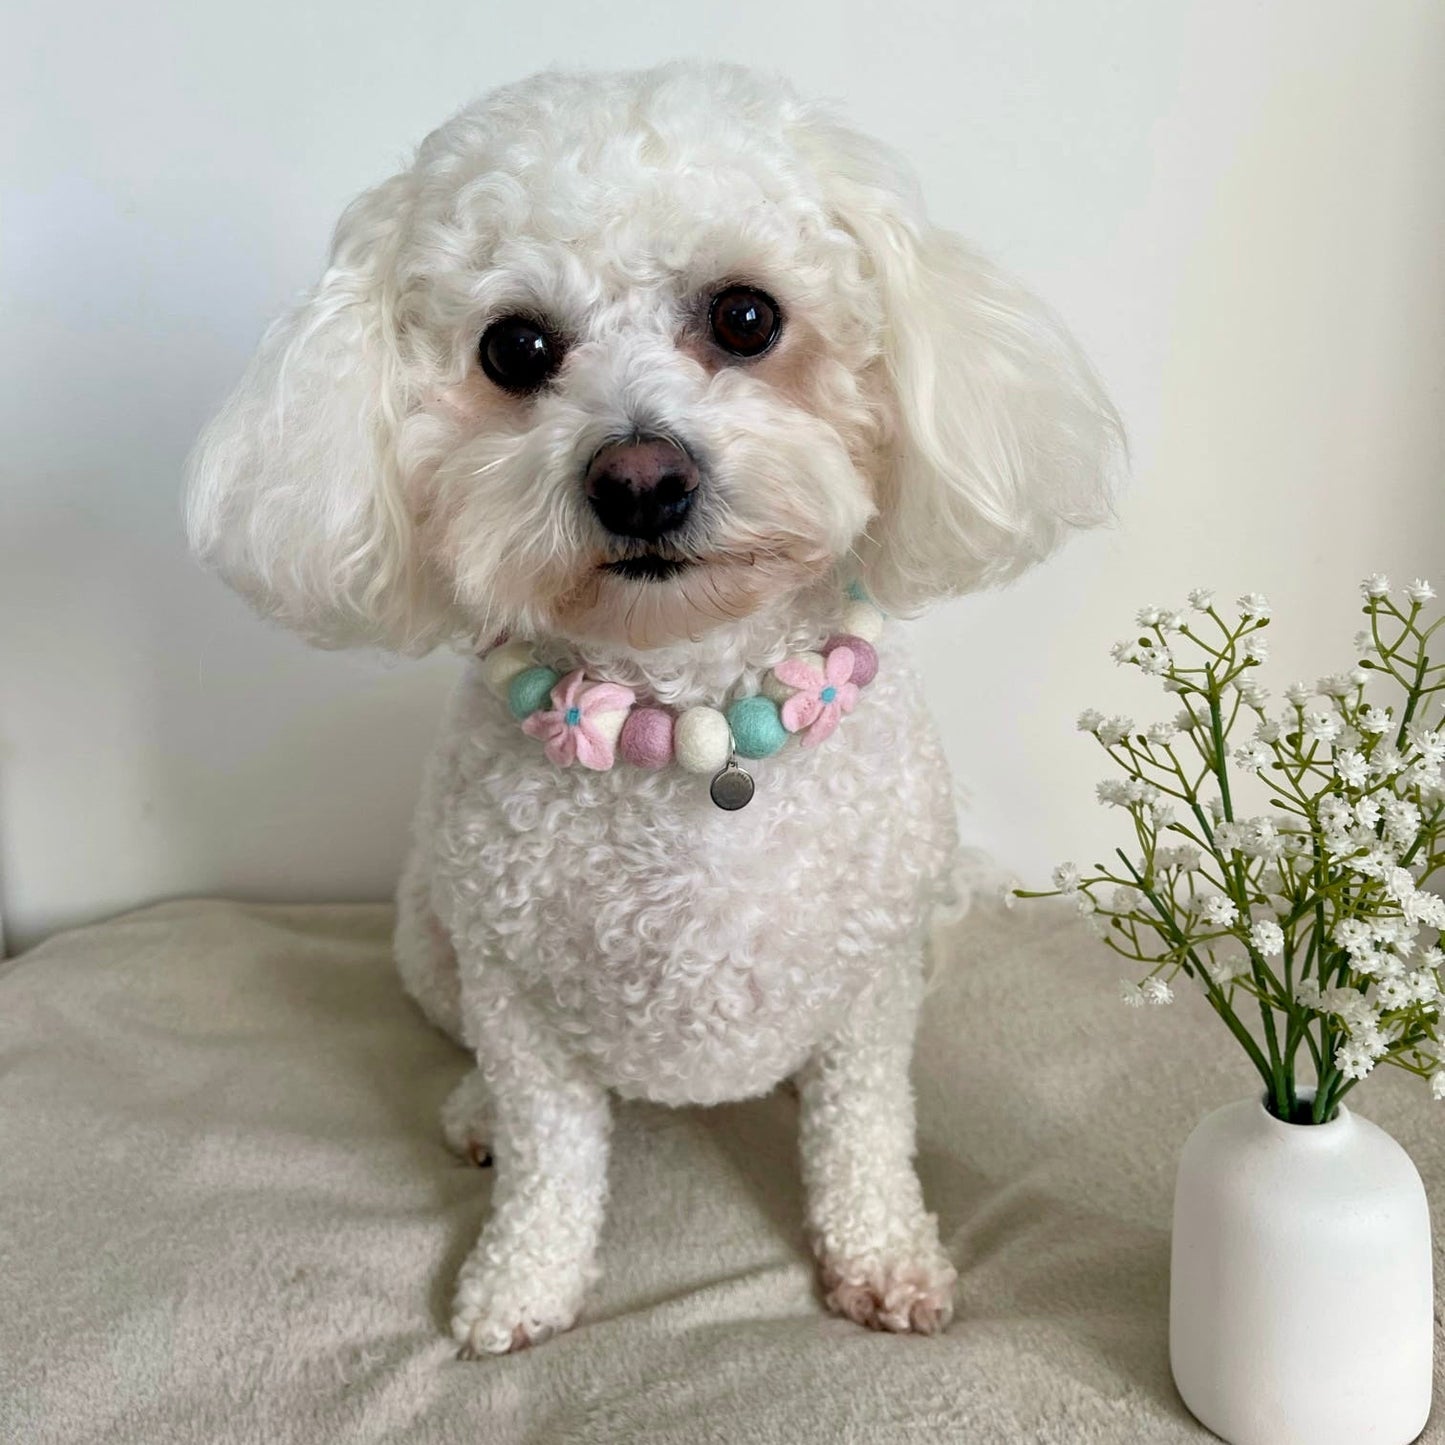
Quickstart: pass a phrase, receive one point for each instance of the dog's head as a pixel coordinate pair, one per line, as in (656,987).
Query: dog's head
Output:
(627,357)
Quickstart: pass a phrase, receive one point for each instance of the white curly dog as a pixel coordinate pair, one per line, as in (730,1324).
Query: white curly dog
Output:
(644,370)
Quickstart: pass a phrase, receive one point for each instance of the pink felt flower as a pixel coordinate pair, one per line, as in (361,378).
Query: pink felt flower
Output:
(821,697)
(571,729)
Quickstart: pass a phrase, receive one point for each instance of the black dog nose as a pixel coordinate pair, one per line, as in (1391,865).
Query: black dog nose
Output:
(642,487)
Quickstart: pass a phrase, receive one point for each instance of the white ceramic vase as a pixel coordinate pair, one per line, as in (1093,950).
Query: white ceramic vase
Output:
(1301,1295)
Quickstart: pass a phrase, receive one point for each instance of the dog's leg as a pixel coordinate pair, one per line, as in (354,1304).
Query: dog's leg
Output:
(467,1120)
(526,1276)
(881,1262)
(424,954)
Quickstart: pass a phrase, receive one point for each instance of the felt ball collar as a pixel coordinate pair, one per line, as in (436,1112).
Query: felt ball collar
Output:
(591,722)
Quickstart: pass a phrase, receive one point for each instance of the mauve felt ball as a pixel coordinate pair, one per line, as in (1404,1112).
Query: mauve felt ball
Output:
(865,657)
(758,730)
(646,740)
(531,690)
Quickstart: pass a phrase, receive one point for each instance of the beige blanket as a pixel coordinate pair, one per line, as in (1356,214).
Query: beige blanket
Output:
(226,1214)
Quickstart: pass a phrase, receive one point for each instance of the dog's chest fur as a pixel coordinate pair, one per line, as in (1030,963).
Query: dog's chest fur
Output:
(688,954)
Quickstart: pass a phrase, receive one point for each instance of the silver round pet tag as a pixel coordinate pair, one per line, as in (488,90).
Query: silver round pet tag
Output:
(732,788)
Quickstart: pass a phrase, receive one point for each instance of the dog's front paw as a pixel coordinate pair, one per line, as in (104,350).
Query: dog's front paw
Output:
(908,1295)
(467,1121)
(496,1313)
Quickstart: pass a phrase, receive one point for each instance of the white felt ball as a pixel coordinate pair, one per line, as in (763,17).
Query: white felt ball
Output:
(702,740)
(504,663)
(863,619)
(779,691)
(609,724)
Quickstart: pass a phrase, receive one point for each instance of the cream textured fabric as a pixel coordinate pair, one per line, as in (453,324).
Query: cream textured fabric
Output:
(226,1214)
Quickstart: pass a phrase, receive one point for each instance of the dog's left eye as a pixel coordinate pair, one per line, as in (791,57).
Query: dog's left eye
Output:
(518,353)
(744,321)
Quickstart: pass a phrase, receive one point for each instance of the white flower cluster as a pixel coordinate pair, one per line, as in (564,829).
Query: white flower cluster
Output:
(1322,908)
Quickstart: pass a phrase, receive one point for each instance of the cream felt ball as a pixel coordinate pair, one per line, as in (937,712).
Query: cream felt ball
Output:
(703,740)
(864,620)
(778,690)
(504,663)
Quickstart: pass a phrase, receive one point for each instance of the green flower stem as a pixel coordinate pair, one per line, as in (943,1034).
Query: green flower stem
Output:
(1213,992)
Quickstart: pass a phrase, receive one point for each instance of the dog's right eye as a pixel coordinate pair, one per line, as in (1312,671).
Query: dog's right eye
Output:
(519,354)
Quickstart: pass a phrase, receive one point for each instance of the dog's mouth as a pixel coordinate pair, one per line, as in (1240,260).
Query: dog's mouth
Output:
(648,567)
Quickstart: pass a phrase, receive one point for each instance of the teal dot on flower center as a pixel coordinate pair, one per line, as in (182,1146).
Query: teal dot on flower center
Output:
(828,694)
(574,716)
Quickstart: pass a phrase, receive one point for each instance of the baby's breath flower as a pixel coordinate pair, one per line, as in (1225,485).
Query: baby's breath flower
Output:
(1162,733)
(1375,585)
(1353,1060)
(1351,768)
(1112,731)
(1220,910)
(1437,1084)
(1385,760)
(1402,821)
(1297,694)
(1124,651)
(1251,694)
(1322,727)
(1088,721)
(1226,969)
(1256,649)
(1201,599)
(1335,684)
(1419,591)
(1424,987)
(1364,643)
(1126,898)
(1154,660)
(1252,757)
(1427,745)
(1267,730)
(1185,721)
(1255,605)
(1393,993)
(1352,934)
(1066,878)
(1375,720)
(1131,993)
(1148,616)
(1268,937)
(1157,992)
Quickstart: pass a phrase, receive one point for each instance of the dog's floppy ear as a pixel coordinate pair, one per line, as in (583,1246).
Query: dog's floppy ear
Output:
(294,490)
(999,435)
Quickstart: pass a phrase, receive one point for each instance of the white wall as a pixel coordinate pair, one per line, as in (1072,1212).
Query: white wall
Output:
(1240,206)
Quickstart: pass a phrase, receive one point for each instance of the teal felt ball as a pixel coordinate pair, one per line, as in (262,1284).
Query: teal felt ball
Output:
(530,690)
(758,730)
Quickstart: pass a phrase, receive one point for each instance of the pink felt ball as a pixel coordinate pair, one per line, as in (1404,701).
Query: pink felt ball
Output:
(646,738)
(865,659)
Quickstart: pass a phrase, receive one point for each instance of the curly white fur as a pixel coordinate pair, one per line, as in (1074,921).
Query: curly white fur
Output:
(922,423)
